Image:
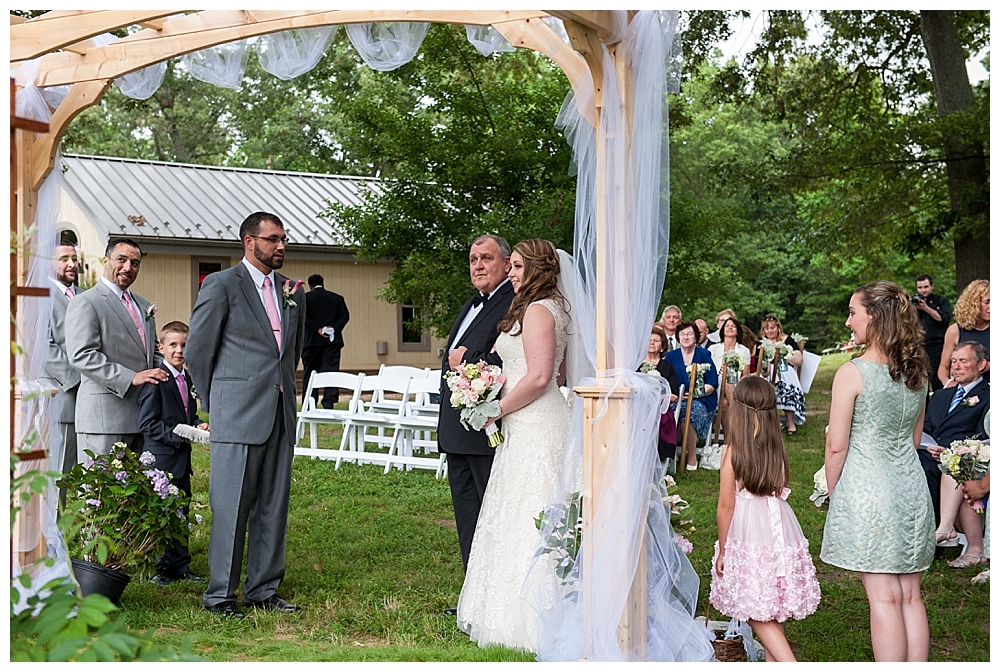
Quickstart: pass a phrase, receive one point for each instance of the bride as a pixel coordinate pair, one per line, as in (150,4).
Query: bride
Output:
(532,343)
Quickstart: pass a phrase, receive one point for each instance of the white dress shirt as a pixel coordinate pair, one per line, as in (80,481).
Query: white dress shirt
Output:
(472,314)
(119,291)
(258,281)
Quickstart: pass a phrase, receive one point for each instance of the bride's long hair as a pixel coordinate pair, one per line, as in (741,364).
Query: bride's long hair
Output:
(541,268)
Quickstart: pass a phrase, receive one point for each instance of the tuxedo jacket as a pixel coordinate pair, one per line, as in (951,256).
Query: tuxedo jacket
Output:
(57,366)
(160,410)
(962,423)
(325,309)
(237,366)
(479,338)
(103,345)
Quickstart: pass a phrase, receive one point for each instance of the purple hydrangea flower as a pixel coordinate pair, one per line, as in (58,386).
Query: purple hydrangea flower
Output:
(160,481)
(180,514)
(94,502)
(121,476)
(147,458)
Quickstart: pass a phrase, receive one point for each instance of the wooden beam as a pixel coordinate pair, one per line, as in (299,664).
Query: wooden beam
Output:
(15,19)
(154,24)
(588,43)
(55,30)
(211,27)
(599,21)
(43,149)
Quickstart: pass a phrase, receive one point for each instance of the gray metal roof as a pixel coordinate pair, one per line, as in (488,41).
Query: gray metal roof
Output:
(154,199)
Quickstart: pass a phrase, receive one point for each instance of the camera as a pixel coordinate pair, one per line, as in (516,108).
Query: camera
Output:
(916,298)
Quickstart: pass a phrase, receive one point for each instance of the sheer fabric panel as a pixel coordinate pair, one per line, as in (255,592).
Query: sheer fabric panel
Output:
(487,40)
(222,65)
(387,46)
(291,53)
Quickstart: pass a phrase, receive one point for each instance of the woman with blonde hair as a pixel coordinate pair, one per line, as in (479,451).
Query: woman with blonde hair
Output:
(791,398)
(525,472)
(972,323)
(881,520)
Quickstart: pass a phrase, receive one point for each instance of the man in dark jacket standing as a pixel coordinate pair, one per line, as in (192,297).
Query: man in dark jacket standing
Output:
(326,317)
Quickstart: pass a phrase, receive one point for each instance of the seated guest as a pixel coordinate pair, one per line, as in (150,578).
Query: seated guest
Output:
(731,342)
(791,398)
(720,317)
(954,414)
(667,445)
(703,331)
(669,320)
(705,401)
(972,323)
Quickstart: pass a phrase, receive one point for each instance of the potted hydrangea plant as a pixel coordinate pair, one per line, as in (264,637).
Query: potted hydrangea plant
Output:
(126,512)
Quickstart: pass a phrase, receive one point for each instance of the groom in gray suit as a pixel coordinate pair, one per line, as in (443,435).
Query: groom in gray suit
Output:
(245,343)
(111,341)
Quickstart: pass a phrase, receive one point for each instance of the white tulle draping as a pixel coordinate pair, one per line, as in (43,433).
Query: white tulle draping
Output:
(387,46)
(583,622)
(291,53)
(35,419)
(487,40)
(222,65)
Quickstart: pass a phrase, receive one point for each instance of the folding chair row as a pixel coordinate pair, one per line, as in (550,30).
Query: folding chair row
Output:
(412,419)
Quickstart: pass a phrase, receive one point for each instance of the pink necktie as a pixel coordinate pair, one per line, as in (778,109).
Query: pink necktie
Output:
(183,387)
(69,293)
(272,311)
(130,307)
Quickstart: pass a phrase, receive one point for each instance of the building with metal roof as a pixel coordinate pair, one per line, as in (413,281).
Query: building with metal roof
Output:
(186,218)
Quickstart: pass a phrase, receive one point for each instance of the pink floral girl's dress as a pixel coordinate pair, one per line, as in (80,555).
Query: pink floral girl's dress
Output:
(768,574)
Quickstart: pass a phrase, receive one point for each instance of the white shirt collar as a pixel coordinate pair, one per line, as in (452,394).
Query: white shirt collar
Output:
(256,275)
(170,368)
(115,288)
(62,288)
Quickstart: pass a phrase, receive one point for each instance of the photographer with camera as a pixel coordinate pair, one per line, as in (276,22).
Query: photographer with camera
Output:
(935,313)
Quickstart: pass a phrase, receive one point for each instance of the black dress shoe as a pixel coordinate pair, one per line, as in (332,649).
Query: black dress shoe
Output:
(273,603)
(227,608)
(450,611)
(161,581)
(190,576)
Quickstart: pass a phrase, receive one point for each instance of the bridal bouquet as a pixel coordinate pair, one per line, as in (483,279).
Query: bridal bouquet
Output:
(820,493)
(474,389)
(675,504)
(967,460)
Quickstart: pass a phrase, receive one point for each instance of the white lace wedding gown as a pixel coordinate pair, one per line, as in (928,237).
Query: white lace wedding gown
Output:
(523,481)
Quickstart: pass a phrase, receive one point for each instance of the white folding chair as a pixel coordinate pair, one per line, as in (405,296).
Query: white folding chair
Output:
(414,427)
(379,403)
(369,417)
(312,415)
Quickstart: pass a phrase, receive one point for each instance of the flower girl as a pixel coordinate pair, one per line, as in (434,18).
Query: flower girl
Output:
(762,571)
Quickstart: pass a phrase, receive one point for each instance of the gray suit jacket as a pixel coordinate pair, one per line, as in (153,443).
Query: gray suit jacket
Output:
(234,359)
(103,345)
(57,366)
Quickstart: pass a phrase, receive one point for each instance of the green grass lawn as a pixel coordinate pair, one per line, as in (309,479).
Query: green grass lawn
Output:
(374,560)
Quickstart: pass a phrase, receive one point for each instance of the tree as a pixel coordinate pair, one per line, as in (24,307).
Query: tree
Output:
(868,144)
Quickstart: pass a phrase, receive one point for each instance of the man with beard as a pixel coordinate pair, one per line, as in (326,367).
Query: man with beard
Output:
(111,340)
(245,343)
(57,367)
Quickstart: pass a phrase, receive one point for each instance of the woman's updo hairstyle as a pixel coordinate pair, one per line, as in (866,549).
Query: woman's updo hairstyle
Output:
(895,331)
(541,268)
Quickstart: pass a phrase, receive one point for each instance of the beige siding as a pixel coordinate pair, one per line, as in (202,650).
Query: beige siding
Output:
(167,281)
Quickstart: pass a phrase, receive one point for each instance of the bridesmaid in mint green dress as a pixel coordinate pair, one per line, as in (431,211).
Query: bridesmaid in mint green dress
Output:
(881,521)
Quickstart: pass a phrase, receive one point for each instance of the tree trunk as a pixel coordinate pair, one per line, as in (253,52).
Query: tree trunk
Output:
(968,185)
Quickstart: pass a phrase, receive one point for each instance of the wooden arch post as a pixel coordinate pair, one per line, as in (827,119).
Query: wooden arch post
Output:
(62,41)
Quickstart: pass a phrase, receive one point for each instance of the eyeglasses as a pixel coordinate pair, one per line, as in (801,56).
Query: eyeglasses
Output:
(274,240)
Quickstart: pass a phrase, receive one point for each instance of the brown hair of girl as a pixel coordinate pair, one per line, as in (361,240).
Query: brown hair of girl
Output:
(541,268)
(895,331)
(756,449)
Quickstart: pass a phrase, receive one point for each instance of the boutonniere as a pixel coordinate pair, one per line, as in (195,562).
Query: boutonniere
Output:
(150,311)
(970,401)
(288,290)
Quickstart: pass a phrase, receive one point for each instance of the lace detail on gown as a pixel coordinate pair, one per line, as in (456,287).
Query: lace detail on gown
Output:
(523,481)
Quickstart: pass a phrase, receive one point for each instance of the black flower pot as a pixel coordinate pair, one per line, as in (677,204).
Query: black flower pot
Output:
(96,579)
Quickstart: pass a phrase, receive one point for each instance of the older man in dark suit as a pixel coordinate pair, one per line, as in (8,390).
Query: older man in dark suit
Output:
(245,344)
(955,413)
(470,457)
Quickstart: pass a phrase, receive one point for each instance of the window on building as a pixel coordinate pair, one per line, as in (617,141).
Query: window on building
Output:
(201,268)
(410,336)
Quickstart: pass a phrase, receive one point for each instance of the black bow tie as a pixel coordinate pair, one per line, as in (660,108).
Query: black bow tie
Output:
(480,299)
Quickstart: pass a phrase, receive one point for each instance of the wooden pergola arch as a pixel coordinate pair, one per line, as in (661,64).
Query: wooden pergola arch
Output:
(62,41)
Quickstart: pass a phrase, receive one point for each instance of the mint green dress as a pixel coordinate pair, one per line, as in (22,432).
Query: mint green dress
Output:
(881,519)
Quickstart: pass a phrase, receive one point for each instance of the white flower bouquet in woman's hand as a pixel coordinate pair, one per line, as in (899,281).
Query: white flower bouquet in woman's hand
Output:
(967,460)
(474,389)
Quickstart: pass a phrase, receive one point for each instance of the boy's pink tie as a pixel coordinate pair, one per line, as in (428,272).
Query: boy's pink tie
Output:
(183,387)
(134,314)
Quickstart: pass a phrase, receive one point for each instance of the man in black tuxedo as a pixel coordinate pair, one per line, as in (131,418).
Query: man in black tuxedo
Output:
(326,317)
(470,456)
(947,419)
(161,408)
